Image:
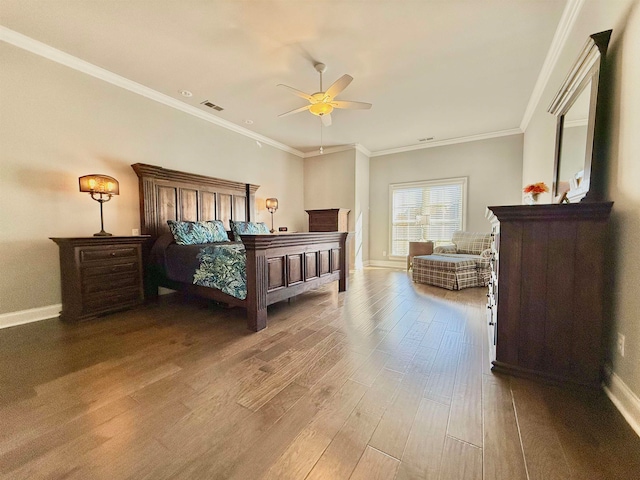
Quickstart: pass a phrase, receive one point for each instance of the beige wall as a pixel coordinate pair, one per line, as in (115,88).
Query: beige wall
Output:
(57,124)
(341,180)
(623,162)
(493,168)
(329,182)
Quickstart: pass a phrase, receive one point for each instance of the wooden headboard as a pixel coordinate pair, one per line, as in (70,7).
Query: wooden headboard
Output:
(172,195)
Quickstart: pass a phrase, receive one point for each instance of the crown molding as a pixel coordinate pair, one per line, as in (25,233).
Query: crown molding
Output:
(327,151)
(565,26)
(362,149)
(340,148)
(580,122)
(450,141)
(34,46)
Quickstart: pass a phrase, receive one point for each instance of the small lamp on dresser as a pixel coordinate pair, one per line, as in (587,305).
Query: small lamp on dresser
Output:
(101,188)
(272,206)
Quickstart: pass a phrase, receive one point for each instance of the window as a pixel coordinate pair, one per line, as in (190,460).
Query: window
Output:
(429,210)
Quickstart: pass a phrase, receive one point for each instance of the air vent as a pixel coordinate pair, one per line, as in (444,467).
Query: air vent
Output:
(207,103)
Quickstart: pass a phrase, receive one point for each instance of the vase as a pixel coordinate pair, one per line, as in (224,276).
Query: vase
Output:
(531,198)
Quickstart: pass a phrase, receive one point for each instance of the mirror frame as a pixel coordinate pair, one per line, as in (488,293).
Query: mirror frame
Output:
(587,69)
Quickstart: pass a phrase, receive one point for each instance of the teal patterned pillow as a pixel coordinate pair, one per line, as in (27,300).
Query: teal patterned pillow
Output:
(262,228)
(247,228)
(219,232)
(195,233)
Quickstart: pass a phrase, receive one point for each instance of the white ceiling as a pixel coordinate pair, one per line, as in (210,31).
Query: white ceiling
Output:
(445,69)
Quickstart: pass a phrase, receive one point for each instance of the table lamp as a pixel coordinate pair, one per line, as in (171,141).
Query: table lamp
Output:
(101,188)
(272,206)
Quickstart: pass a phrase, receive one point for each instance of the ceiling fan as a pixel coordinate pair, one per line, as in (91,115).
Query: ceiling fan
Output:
(322,103)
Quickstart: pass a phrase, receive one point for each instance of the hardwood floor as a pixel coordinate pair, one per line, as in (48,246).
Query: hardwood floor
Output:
(389,380)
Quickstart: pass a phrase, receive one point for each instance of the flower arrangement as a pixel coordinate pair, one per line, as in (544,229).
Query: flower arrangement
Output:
(536,188)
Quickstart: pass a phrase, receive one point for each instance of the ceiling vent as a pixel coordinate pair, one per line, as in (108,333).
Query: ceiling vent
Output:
(207,103)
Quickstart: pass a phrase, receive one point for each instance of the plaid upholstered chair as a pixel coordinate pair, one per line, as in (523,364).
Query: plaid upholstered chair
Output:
(464,263)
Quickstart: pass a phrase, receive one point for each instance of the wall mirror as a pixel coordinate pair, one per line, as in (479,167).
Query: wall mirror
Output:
(576,105)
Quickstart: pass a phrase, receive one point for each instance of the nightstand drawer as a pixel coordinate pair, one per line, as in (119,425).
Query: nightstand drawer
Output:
(109,283)
(114,268)
(112,300)
(92,254)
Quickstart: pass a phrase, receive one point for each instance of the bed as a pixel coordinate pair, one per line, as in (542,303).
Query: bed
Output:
(278,266)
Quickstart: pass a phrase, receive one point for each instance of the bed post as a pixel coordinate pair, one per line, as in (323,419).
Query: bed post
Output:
(256,283)
(343,283)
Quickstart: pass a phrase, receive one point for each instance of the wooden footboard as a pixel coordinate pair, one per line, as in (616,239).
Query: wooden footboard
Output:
(278,267)
(282,266)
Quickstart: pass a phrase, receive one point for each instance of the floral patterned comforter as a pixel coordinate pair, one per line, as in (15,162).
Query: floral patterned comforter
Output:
(223,267)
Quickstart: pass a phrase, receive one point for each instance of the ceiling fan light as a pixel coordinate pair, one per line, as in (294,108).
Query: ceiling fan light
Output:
(321,108)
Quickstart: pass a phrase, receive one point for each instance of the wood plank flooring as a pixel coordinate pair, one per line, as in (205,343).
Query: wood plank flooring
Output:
(389,380)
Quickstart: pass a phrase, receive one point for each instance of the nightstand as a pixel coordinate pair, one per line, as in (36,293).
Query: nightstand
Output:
(418,248)
(100,275)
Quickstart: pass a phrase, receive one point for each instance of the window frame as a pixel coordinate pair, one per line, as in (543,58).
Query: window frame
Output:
(462,181)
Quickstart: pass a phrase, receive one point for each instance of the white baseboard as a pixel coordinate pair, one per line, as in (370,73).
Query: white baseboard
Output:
(27,316)
(623,398)
(388,264)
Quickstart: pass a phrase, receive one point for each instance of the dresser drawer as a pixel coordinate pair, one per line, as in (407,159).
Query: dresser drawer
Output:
(89,254)
(110,282)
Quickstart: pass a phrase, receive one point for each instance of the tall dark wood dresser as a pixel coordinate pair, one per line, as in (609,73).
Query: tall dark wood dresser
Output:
(329,220)
(546,295)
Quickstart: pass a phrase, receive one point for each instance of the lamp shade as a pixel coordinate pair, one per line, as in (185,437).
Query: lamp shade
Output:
(99,184)
(271,204)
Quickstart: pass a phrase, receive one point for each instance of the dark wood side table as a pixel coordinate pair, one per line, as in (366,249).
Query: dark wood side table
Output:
(418,248)
(100,275)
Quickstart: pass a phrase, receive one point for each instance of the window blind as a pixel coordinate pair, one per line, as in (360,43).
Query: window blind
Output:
(430,210)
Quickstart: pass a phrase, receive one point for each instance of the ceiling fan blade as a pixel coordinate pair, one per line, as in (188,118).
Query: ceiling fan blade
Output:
(326,119)
(351,105)
(301,109)
(299,93)
(338,86)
